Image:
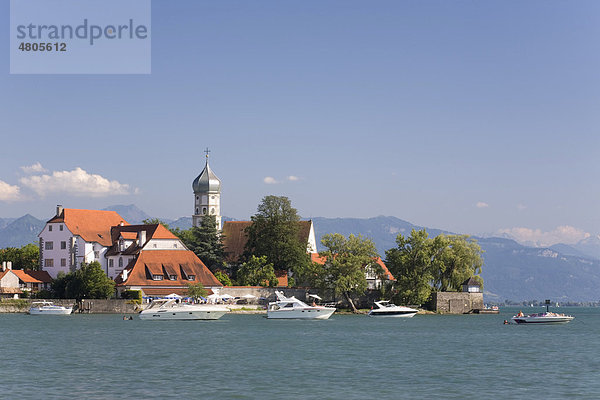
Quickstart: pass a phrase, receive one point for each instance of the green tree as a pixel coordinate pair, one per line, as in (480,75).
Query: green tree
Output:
(257,271)
(88,282)
(455,259)
(30,256)
(274,233)
(345,264)
(206,242)
(26,257)
(155,221)
(223,278)
(410,263)
(422,265)
(196,291)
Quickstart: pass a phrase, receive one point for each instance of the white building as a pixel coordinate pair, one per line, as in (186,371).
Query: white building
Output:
(129,240)
(207,196)
(76,236)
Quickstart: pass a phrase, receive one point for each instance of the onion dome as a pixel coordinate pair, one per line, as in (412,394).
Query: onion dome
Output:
(207,181)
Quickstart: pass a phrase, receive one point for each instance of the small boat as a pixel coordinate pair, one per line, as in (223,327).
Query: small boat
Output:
(173,309)
(547,317)
(387,309)
(292,308)
(48,308)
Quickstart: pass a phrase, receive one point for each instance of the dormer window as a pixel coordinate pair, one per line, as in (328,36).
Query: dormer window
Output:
(157,277)
(191,277)
(60,227)
(173,277)
(49,228)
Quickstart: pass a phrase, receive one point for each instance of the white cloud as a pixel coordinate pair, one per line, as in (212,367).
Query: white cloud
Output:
(481,204)
(269,180)
(76,182)
(293,178)
(35,168)
(9,192)
(562,234)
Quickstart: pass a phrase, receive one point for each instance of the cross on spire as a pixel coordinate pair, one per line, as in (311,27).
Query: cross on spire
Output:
(207,151)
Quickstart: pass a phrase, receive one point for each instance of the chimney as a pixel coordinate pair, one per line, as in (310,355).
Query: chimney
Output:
(142,238)
(125,273)
(3,266)
(59,210)
(9,265)
(121,223)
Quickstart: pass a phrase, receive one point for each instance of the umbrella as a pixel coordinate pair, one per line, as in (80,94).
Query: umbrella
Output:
(173,296)
(226,296)
(314,296)
(214,297)
(249,296)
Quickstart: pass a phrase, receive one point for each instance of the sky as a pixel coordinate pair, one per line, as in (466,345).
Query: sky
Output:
(473,117)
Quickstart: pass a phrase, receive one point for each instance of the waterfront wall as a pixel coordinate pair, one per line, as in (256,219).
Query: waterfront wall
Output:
(93,306)
(456,302)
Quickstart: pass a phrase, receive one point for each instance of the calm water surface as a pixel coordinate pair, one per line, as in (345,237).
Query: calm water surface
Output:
(346,357)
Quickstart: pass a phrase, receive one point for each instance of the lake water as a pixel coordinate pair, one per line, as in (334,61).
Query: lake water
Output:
(345,357)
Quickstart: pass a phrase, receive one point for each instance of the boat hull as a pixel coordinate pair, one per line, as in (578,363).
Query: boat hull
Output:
(53,311)
(542,320)
(310,313)
(213,313)
(392,314)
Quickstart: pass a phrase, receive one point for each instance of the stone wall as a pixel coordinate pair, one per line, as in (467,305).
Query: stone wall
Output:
(94,306)
(456,302)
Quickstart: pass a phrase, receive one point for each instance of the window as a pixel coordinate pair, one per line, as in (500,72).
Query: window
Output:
(191,277)
(49,245)
(60,227)
(197,210)
(212,210)
(96,255)
(111,263)
(48,263)
(120,262)
(154,245)
(203,210)
(173,277)
(157,277)
(63,245)
(63,262)
(175,245)
(49,228)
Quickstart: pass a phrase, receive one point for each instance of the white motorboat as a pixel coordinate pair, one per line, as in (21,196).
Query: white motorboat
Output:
(547,317)
(172,309)
(48,308)
(292,308)
(387,309)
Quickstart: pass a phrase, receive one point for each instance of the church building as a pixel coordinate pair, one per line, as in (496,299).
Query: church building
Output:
(207,195)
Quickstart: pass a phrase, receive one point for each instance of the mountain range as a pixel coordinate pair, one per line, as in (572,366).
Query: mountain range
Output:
(511,270)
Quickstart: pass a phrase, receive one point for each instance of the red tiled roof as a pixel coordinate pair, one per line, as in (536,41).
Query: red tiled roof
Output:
(316,258)
(235,237)
(25,277)
(131,232)
(282,278)
(42,276)
(91,225)
(180,261)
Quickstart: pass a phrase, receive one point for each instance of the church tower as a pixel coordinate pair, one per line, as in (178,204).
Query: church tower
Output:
(207,195)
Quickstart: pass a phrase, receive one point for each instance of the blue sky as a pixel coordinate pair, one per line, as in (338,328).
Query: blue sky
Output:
(475,117)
